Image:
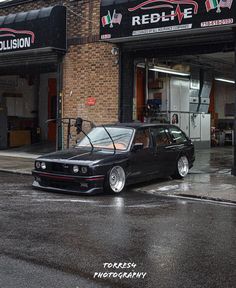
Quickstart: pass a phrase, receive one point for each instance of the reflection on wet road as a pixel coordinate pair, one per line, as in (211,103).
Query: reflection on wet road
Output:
(177,243)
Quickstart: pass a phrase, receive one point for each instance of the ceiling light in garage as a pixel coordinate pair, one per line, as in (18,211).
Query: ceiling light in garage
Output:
(225,80)
(169,71)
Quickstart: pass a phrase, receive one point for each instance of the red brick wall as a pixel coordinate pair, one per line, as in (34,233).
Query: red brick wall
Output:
(90,71)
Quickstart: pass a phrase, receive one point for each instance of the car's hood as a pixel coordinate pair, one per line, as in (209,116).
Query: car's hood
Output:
(84,156)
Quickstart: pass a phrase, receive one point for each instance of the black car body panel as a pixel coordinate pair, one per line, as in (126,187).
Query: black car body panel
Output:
(58,171)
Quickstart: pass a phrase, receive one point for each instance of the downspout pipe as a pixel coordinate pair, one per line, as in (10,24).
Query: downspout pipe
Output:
(59,134)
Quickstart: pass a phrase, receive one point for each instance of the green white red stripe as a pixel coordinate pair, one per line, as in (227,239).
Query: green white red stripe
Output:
(106,20)
(211,4)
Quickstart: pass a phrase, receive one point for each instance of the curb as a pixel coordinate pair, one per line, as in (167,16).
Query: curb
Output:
(204,199)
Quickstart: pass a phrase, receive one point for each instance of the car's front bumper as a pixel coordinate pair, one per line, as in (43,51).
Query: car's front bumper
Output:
(68,183)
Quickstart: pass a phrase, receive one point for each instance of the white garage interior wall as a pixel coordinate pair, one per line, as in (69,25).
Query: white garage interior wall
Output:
(195,125)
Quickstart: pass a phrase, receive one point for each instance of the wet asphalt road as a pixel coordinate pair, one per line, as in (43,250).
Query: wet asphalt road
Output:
(53,240)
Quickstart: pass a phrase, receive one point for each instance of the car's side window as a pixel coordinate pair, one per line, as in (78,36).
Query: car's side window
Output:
(160,136)
(142,136)
(177,135)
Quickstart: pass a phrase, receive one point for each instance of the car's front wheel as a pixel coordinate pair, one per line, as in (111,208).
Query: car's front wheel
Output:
(182,167)
(116,179)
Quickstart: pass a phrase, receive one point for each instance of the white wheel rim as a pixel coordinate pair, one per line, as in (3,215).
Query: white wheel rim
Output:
(117,179)
(183,166)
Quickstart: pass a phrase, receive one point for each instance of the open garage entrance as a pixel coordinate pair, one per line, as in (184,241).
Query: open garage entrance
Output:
(194,92)
(28,100)
(175,59)
(32,46)
(191,86)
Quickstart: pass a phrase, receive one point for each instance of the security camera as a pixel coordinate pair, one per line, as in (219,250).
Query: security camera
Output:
(115,51)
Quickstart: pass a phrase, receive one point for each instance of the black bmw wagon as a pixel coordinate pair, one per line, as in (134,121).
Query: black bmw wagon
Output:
(112,156)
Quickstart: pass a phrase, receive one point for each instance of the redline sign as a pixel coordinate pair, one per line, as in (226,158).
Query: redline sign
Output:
(141,18)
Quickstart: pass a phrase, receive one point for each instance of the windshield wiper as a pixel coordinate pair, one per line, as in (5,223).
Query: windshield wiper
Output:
(90,142)
(78,125)
(110,137)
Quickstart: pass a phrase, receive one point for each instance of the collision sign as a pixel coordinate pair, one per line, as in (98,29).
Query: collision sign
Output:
(15,39)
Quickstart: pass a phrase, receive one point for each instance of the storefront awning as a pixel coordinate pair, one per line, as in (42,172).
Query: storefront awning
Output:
(33,30)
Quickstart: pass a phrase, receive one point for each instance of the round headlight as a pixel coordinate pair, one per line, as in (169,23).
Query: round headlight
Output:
(43,165)
(37,164)
(75,169)
(84,170)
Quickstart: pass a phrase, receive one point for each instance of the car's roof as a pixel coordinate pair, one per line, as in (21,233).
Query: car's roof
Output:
(136,125)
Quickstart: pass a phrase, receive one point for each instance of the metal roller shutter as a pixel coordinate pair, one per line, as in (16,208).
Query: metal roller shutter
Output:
(28,59)
(39,61)
(183,44)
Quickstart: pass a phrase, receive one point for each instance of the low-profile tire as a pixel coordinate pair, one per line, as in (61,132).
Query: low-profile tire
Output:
(182,168)
(115,181)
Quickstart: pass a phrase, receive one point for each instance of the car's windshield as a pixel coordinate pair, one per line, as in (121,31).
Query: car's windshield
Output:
(100,138)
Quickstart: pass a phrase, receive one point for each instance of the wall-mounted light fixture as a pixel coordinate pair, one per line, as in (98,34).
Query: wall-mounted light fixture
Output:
(115,51)
(225,80)
(169,71)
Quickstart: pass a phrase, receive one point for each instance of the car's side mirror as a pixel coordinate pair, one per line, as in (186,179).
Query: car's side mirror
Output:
(78,124)
(137,147)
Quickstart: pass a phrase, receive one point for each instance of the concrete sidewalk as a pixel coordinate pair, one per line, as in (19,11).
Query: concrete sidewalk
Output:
(21,159)
(19,162)
(210,178)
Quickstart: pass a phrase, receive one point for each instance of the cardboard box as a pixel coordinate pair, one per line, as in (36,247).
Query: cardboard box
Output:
(19,138)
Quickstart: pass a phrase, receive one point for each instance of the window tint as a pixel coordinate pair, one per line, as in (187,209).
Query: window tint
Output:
(177,135)
(142,136)
(160,136)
